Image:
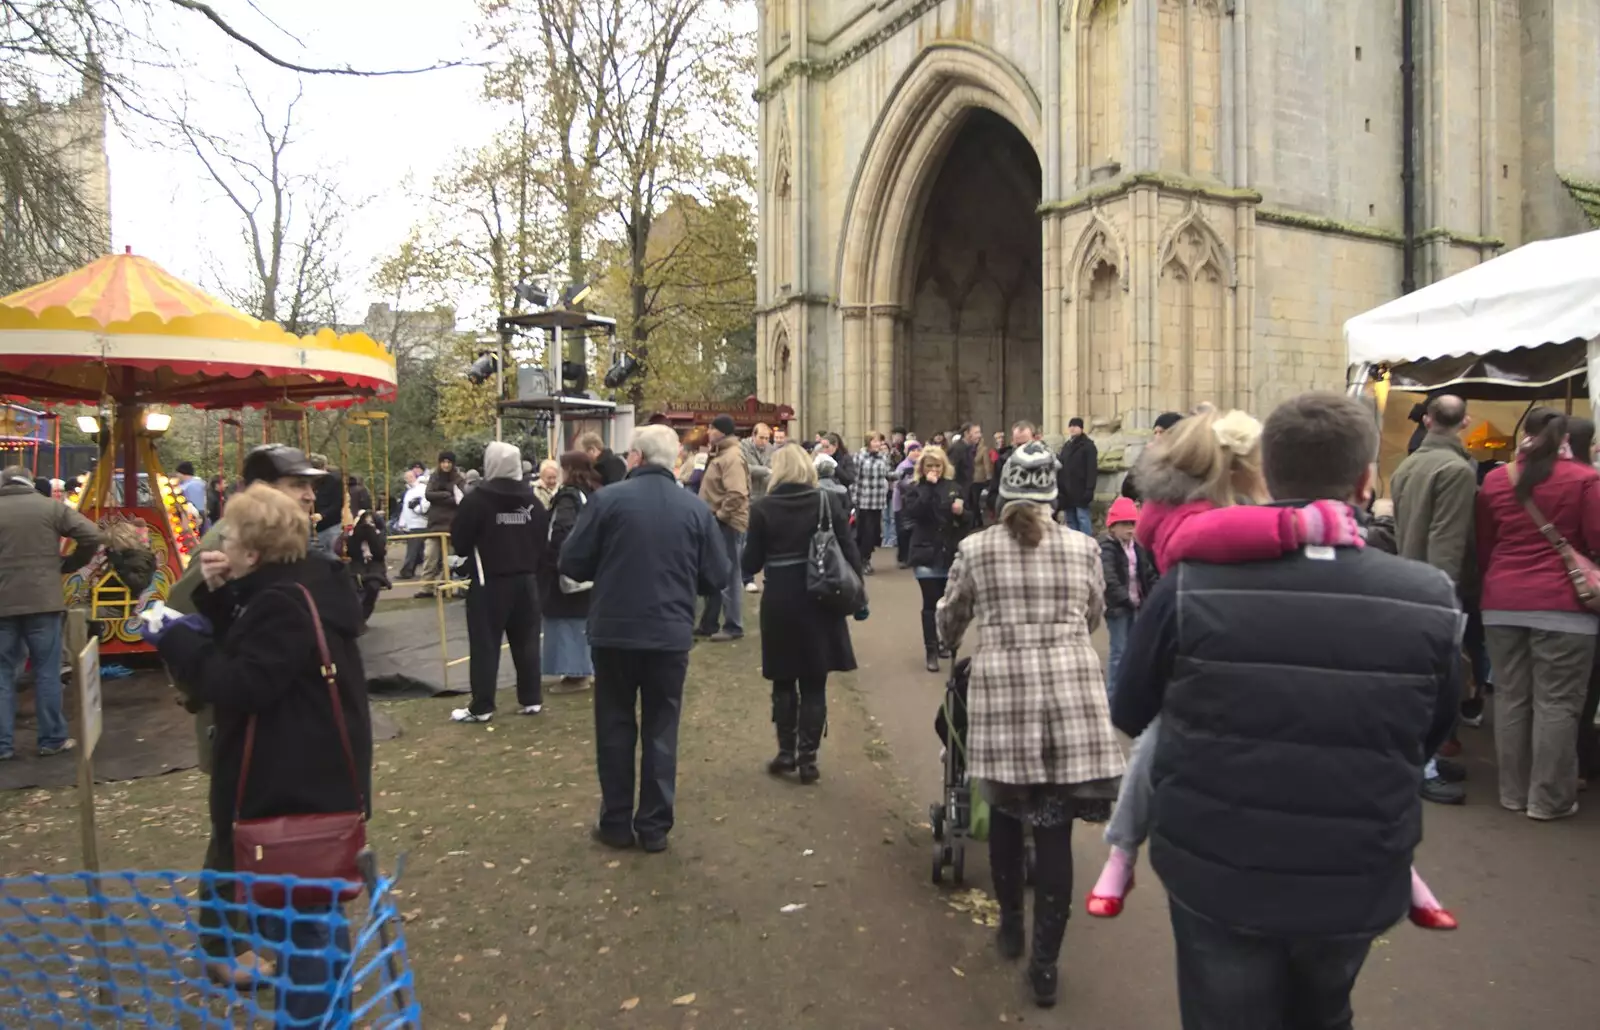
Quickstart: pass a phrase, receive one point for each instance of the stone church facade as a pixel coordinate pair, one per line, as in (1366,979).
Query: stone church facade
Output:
(1000,209)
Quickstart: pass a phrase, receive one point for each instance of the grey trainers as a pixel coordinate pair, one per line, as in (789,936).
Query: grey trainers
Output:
(62,748)
(465,715)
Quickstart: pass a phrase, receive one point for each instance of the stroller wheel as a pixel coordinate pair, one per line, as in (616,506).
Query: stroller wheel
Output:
(936,821)
(958,864)
(938,864)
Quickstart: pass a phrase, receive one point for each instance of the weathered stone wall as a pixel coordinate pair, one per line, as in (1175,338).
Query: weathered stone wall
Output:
(1220,190)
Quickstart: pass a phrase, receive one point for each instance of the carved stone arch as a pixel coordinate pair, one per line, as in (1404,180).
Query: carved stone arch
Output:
(876,269)
(1193,219)
(780,365)
(1100,240)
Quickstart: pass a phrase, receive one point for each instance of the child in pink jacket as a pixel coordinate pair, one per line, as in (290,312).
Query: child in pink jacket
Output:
(1202,490)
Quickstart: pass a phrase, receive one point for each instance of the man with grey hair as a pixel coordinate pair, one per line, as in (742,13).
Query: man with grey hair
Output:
(31,530)
(1300,699)
(650,548)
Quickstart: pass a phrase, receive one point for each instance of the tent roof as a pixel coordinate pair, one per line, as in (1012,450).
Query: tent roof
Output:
(1544,292)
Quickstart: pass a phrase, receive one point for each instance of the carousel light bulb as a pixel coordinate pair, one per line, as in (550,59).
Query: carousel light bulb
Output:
(157,421)
(88,424)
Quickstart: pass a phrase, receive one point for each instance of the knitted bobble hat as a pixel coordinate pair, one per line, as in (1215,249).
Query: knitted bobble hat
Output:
(1029,474)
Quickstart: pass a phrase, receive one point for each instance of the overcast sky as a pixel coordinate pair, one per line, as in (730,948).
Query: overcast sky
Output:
(373,135)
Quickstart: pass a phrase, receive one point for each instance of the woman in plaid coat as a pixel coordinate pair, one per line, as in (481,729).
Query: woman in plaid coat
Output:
(1040,735)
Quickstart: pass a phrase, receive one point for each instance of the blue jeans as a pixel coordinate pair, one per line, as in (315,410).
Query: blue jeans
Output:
(727,606)
(891,530)
(1079,519)
(1118,623)
(40,634)
(314,963)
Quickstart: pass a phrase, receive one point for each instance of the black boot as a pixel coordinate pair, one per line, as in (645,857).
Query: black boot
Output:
(1008,939)
(785,716)
(930,639)
(813,724)
(1050,911)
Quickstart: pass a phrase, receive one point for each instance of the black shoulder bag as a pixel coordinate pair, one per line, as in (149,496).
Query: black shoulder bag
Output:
(829,578)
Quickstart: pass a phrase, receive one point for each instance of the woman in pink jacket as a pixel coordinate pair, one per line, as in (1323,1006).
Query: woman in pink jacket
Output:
(1541,636)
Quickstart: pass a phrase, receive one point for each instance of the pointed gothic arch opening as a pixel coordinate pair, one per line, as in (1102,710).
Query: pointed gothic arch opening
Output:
(954,94)
(974,335)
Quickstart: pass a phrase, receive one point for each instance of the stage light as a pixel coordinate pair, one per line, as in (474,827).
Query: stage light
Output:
(88,424)
(483,369)
(157,421)
(573,295)
(531,295)
(622,371)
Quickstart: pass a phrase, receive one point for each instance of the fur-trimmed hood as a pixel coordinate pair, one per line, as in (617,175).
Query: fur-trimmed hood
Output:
(1159,482)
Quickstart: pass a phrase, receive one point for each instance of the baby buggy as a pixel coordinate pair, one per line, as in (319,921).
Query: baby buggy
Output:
(951,817)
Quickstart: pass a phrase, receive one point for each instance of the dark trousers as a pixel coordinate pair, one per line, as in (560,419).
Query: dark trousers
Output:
(1230,980)
(503,608)
(414,550)
(1052,887)
(727,605)
(932,590)
(902,537)
(215,914)
(800,711)
(654,681)
(869,531)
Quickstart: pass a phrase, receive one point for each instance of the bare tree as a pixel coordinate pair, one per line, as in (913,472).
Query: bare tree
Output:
(680,74)
(290,221)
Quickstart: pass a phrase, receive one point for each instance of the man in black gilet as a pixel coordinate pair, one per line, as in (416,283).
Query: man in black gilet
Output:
(1300,700)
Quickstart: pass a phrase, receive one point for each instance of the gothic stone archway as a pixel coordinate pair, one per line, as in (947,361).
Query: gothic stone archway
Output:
(955,97)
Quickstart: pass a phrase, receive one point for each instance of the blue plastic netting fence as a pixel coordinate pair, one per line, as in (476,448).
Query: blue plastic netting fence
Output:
(170,949)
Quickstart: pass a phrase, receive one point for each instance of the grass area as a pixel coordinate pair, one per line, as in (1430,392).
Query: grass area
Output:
(515,918)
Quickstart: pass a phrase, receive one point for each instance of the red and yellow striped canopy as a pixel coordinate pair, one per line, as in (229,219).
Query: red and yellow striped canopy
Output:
(123,327)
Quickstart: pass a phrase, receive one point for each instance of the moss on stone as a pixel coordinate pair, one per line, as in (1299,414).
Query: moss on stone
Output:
(1161,180)
(1587,194)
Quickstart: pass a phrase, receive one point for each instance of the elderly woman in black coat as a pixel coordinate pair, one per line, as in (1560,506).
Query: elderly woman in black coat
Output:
(251,650)
(566,611)
(801,642)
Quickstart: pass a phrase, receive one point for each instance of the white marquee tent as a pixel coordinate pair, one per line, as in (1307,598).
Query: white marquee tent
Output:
(1527,322)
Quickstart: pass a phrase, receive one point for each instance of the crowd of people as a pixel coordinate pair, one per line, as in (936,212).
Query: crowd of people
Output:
(1281,807)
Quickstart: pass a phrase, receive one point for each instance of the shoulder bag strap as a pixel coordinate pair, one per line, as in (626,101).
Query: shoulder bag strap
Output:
(1546,527)
(825,511)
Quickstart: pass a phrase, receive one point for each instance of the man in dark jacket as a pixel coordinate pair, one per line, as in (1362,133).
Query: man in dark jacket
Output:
(1435,504)
(650,548)
(446,487)
(329,522)
(607,465)
(1164,421)
(1300,699)
(31,530)
(1080,468)
(500,529)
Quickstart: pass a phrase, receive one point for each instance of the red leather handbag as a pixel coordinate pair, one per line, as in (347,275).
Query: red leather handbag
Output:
(320,846)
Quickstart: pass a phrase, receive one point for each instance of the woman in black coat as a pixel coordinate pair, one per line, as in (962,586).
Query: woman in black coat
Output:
(935,509)
(801,642)
(251,651)
(566,613)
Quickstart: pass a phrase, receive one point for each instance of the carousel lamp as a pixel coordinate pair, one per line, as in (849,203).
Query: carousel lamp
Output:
(157,421)
(88,424)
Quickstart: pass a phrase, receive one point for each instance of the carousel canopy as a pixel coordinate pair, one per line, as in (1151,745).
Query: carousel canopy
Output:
(122,327)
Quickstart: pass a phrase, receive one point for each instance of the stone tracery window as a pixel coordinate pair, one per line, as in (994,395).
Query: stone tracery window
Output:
(1189,85)
(1193,319)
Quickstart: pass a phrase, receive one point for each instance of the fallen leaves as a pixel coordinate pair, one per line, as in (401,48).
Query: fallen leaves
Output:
(958,972)
(499,1024)
(791,908)
(630,1005)
(684,999)
(614,864)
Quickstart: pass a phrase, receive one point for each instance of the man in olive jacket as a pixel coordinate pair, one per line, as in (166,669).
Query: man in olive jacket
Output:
(32,601)
(726,488)
(1435,495)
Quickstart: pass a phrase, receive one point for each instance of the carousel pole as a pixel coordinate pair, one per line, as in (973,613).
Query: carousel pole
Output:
(57,446)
